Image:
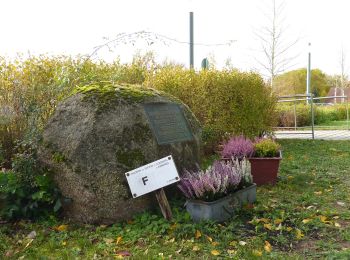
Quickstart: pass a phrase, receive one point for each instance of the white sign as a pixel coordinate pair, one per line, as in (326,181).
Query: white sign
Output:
(152,176)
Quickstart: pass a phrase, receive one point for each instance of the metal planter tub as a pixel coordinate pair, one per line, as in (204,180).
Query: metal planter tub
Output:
(222,209)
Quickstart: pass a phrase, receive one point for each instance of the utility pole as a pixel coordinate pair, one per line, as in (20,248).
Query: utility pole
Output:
(191,41)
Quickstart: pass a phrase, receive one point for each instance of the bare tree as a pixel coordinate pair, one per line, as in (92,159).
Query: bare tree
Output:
(274,45)
(343,78)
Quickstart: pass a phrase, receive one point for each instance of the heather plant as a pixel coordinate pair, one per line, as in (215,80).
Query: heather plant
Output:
(238,147)
(242,167)
(266,147)
(217,181)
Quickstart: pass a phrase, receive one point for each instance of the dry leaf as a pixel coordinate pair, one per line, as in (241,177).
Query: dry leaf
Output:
(214,243)
(278,221)
(267,247)
(31,235)
(340,203)
(215,252)
(257,253)
(289,229)
(279,227)
(108,240)
(119,239)
(242,243)
(299,234)
(268,226)
(233,243)
(195,248)
(265,220)
(171,240)
(324,220)
(64,243)
(336,217)
(198,234)
(209,239)
(231,251)
(337,224)
(318,192)
(306,220)
(61,228)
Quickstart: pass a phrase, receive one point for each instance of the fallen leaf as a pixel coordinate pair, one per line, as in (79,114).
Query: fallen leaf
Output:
(257,253)
(214,243)
(108,240)
(336,217)
(337,224)
(198,234)
(64,243)
(268,226)
(130,222)
(324,219)
(209,239)
(119,239)
(231,251)
(215,252)
(289,229)
(318,192)
(306,220)
(178,251)
(267,247)
(299,234)
(61,228)
(279,227)
(195,248)
(242,243)
(171,240)
(31,235)
(233,243)
(290,177)
(340,203)
(265,220)
(278,221)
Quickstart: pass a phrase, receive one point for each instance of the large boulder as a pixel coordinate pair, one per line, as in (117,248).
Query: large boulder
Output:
(98,134)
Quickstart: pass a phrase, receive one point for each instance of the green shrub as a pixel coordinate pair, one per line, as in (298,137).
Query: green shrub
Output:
(27,191)
(322,114)
(224,101)
(266,148)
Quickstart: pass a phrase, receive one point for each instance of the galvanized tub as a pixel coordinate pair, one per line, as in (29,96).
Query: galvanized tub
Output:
(222,209)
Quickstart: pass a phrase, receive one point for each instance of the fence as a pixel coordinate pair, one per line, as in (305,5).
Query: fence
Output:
(310,130)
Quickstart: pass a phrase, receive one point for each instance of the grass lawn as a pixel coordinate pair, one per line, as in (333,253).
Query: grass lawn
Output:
(341,124)
(306,215)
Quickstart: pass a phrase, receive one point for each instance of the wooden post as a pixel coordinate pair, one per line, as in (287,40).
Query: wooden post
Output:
(164,204)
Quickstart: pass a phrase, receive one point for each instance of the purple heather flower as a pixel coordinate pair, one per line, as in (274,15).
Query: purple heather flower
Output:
(238,147)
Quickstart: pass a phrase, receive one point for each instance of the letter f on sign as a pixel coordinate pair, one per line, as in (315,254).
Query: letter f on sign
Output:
(144,179)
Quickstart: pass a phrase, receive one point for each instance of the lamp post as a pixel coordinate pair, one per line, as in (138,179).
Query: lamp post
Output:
(191,41)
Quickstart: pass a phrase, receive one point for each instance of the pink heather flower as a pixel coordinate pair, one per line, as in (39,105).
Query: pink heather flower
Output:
(238,147)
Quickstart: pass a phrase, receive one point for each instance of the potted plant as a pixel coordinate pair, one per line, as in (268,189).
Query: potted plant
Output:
(237,147)
(216,193)
(265,161)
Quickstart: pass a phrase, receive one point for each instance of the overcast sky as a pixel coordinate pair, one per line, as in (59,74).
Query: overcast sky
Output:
(77,26)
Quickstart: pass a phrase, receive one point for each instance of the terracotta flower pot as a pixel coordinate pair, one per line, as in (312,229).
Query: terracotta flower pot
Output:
(265,170)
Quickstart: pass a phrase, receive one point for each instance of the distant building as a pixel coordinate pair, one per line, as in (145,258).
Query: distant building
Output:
(338,92)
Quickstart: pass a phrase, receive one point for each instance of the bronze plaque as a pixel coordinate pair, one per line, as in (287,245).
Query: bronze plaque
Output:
(168,123)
